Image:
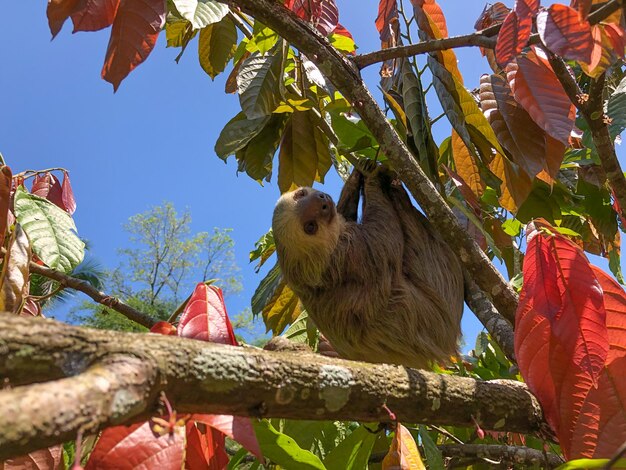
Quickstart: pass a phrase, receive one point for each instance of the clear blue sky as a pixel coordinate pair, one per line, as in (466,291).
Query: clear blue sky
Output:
(153,140)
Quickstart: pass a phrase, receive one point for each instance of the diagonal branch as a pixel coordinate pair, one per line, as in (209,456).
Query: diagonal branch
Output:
(344,75)
(592,111)
(83,286)
(91,367)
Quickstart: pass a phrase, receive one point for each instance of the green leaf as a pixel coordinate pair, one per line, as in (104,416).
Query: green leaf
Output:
(353,452)
(216,46)
(304,155)
(590,463)
(353,134)
(178,33)
(201,12)
(237,133)
(266,289)
(256,157)
(259,82)
(432,452)
(264,247)
(616,109)
(51,231)
(298,331)
(342,43)
(282,450)
(263,39)
(512,227)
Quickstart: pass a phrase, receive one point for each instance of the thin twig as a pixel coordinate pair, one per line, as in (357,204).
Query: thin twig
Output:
(83,286)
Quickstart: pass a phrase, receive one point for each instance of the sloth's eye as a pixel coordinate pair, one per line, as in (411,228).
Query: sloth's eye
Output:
(300,193)
(310,228)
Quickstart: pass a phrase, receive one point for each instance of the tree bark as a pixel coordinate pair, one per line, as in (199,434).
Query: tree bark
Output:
(115,378)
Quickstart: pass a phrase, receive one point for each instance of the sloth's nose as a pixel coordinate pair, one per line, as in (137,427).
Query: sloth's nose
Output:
(325,199)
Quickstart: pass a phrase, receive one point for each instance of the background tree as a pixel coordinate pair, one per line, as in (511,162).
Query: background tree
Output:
(161,267)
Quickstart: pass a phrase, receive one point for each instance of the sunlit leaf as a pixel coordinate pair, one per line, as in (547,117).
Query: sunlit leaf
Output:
(283,450)
(15,272)
(201,13)
(403,454)
(304,153)
(205,448)
(205,317)
(466,165)
(238,428)
(94,15)
(516,185)
(135,447)
(259,82)
(133,36)
(512,38)
(51,231)
(538,90)
(432,10)
(216,46)
(562,32)
(353,452)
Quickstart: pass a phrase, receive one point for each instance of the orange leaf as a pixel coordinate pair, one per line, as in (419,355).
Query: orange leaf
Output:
(135,30)
(512,38)
(516,185)
(163,328)
(44,459)
(431,9)
(205,317)
(403,454)
(95,15)
(538,90)
(562,32)
(467,168)
(136,448)
(492,14)
(583,7)
(58,11)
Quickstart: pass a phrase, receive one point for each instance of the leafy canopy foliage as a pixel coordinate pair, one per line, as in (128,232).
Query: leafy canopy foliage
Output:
(528,161)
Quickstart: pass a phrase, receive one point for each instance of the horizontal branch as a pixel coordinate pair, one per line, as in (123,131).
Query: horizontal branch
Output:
(201,377)
(474,39)
(505,455)
(346,78)
(83,286)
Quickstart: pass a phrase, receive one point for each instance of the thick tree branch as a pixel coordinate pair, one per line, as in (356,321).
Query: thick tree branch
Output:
(211,378)
(591,109)
(505,455)
(100,297)
(344,75)
(42,415)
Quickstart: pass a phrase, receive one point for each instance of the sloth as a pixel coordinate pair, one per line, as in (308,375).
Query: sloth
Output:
(382,289)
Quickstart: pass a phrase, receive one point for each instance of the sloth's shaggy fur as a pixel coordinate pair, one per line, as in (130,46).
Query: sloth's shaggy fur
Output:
(385,289)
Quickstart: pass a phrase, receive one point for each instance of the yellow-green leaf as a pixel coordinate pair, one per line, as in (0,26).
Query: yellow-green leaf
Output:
(216,46)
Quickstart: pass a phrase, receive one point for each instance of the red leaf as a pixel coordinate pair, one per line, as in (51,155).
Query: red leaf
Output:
(205,317)
(164,328)
(58,11)
(430,8)
(617,36)
(323,14)
(6,180)
(95,15)
(136,448)
(47,185)
(537,89)
(342,31)
(492,14)
(31,308)
(583,7)
(135,30)
(512,38)
(526,8)
(387,20)
(205,449)
(67,195)
(238,428)
(44,459)
(563,33)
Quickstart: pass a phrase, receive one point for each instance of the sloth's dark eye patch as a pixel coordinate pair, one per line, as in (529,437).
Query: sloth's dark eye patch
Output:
(300,193)
(310,228)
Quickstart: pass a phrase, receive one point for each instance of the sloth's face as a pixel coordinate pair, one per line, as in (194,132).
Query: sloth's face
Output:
(313,209)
